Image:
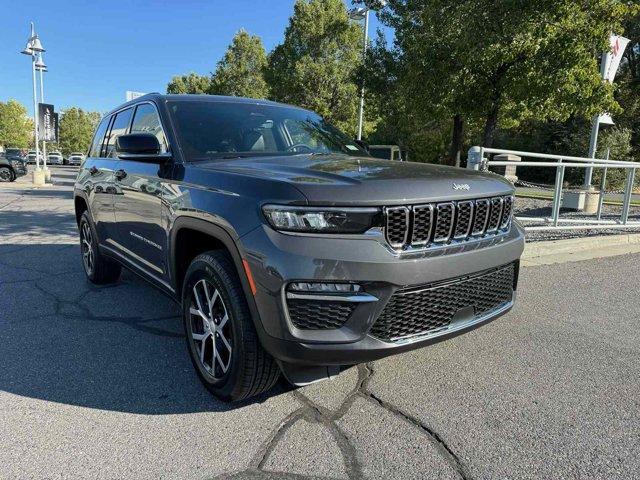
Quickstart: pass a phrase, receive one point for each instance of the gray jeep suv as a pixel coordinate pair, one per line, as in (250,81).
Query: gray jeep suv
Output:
(288,246)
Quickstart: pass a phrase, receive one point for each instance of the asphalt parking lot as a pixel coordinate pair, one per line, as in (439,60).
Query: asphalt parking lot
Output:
(96,382)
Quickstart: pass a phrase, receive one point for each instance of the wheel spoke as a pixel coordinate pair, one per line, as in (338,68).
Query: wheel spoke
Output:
(212,300)
(223,322)
(221,363)
(198,337)
(196,295)
(225,341)
(203,347)
(195,311)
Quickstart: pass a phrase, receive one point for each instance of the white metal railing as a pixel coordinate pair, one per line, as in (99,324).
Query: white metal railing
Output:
(478,161)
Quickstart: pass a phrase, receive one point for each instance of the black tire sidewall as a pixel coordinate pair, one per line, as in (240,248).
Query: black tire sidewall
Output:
(11,175)
(207,267)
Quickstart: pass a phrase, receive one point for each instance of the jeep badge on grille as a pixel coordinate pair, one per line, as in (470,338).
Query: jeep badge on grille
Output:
(462,186)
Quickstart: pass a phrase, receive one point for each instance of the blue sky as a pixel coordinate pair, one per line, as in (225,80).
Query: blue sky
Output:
(96,50)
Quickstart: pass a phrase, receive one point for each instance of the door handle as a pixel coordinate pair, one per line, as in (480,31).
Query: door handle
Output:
(120,174)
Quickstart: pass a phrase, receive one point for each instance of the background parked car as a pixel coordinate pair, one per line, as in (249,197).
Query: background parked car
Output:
(11,167)
(14,154)
(388,152)
(31,157)
(55,158)
(76,158)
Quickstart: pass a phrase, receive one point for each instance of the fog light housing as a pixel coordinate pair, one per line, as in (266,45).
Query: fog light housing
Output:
(321,287)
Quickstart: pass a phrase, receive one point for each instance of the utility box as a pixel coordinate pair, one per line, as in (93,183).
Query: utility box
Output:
(509,171)
(574,200)
(586,201)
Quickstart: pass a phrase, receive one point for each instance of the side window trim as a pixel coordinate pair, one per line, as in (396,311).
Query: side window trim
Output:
(155,107)
(114,116)
(105,139)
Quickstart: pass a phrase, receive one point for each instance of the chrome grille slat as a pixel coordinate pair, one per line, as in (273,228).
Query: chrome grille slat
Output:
(397,226)
(495,215)
(464,219)
(415,227)
(422,225)
(481,217)
(444,222)
(507,210)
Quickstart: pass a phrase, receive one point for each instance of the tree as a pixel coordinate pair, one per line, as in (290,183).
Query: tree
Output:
(16,128)
(316,64)
(486,63)
(241,71)
(191,83)
(76,130)
(628,83)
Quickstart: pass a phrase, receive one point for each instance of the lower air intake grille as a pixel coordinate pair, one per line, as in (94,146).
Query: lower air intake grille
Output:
(319,315)
(427,309)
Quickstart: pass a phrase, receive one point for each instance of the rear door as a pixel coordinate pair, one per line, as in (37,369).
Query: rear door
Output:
(139,205)
(96,180)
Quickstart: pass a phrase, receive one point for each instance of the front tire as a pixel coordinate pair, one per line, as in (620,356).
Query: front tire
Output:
(6,175)
(221,338)
(98,268)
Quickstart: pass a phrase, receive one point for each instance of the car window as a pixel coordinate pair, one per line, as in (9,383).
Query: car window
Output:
(119,127)
(146,120)
(228,130)
(96,145)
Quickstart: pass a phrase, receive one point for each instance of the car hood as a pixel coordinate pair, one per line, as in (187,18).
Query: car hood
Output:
(348,180)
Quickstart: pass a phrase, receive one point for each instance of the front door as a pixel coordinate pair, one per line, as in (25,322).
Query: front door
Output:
(138,205)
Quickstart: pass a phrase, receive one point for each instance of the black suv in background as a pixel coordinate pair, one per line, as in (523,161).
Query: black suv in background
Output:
(288,246)
(12,165)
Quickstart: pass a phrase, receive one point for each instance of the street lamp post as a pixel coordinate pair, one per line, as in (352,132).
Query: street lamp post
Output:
(42,68)
(33,48)
(362,13)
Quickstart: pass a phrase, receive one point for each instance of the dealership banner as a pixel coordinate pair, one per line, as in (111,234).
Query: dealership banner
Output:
(612,59)
(47,123)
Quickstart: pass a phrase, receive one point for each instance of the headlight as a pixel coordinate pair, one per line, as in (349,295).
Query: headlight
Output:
(322,219)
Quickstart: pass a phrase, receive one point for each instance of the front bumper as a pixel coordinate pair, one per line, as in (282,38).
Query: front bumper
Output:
(276,259)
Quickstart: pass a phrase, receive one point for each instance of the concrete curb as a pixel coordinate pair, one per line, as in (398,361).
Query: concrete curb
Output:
(572,245)
(577,249)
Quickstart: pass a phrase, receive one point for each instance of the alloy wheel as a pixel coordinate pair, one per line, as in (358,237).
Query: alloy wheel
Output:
(210,329)
(86,245)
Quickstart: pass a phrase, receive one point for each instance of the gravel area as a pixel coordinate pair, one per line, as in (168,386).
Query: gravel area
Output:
(532,207)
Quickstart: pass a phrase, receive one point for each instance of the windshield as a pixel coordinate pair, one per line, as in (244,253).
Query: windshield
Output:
(223,130)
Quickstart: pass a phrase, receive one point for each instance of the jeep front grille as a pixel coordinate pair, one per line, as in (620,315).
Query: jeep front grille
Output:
(430,309)
(433,224)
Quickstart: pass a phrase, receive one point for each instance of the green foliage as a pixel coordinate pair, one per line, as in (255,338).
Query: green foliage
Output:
(315,65)
(241,72)
(16,128)
(191,83)
(497,62)
(76,130)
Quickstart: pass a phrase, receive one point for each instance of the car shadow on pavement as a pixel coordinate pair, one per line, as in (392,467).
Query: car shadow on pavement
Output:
(28,222)
(118,347)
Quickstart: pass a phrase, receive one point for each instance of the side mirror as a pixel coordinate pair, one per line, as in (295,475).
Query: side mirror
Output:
(141,147)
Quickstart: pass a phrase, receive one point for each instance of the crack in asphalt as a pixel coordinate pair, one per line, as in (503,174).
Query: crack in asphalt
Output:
(441,446)
(314,413)
(135,322)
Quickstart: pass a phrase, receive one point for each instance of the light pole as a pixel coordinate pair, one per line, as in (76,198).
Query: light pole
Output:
(362,13)
(42,68)
(33,48)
